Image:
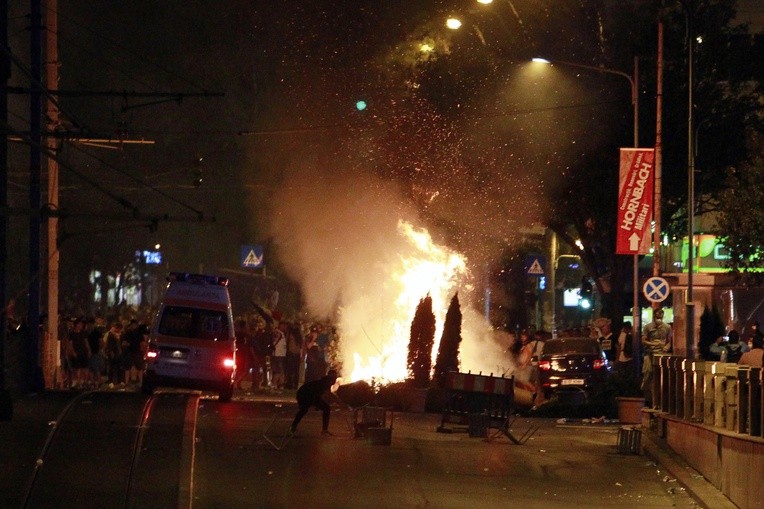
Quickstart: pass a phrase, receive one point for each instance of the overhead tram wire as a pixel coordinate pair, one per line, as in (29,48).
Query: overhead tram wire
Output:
(326,127)
(139,181)
(120,200)
(28,141)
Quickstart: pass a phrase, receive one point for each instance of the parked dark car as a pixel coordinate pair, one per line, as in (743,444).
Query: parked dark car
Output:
(575,365)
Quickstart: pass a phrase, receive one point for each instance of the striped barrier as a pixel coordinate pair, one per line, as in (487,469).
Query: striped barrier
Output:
(480,402)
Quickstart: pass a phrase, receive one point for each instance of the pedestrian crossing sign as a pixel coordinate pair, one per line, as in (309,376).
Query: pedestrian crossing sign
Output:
(252,257)
(534,265)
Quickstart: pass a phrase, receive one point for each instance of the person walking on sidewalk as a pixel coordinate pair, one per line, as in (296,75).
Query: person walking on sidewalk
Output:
(314,394)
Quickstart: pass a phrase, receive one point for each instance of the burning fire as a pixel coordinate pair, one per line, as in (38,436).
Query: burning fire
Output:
(376,329)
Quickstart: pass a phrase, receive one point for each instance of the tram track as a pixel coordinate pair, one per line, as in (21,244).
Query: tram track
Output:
(114,449)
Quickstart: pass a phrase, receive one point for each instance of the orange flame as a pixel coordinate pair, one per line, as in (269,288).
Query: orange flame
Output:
(376,329)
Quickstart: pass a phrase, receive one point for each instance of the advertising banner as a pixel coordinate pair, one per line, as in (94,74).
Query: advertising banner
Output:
(635,201)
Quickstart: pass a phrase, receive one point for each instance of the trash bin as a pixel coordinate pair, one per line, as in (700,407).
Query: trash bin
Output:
(478,425)
(379,436)
(629,440)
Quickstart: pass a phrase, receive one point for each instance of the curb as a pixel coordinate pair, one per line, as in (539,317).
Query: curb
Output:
(703,492)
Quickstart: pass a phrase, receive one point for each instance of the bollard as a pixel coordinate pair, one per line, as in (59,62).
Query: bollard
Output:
(743,410)
(677,387)
(687,393)
(719,393)
(731,410)
(708,394)
(665,383)
(698,376)
(754,401)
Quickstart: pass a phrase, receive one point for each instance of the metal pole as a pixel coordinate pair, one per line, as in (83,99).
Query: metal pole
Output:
(658,156)
(35,133)
(689,303)
(635,272)
(553,283)
(6,402)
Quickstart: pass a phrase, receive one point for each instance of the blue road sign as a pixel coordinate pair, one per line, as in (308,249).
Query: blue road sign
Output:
(656,289)
(252,257)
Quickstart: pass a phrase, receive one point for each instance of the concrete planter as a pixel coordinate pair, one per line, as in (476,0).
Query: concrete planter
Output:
(630,409)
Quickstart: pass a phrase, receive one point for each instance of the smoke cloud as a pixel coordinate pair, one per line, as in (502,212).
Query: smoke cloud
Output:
(362,257)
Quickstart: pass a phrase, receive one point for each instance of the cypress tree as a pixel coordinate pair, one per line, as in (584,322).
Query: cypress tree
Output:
(448,351)
(421,342)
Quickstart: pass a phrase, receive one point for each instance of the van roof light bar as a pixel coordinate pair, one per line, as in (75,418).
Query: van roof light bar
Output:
(197,278)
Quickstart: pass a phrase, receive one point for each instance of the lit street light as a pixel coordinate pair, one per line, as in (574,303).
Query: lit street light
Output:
(633,83)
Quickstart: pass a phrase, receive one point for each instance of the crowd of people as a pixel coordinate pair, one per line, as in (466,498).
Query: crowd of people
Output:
(95,352)
(278,354)
(272,354)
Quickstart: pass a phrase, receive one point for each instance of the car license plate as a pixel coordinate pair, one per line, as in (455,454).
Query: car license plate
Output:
(572,381)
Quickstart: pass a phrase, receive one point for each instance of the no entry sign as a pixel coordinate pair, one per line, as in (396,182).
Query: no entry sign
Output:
(635,201)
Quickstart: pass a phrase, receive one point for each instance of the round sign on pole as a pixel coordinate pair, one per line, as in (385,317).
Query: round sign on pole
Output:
(656,289)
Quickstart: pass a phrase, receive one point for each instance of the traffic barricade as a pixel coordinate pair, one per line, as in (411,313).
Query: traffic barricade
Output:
(480,402)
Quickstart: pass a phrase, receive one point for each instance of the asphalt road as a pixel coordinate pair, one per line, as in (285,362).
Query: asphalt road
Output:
(239,459)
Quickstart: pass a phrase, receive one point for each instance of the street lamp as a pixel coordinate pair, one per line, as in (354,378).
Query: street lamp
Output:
(633,83)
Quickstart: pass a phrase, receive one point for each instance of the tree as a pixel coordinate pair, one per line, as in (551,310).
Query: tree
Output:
(741,220)
(448,350)
(421,341)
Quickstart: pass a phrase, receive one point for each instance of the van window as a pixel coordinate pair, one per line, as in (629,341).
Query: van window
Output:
(193,323)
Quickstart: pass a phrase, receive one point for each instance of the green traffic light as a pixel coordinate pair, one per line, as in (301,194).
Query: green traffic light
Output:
(360,105)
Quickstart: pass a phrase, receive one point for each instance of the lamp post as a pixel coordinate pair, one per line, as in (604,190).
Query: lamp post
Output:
(633,83)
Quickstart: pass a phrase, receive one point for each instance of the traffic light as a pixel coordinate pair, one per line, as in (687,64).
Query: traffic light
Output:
(586,299)
(360,105)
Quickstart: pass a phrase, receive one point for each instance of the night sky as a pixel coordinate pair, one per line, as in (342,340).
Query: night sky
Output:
(465,138)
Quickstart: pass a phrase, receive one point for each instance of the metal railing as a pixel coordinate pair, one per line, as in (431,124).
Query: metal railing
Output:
(723,395)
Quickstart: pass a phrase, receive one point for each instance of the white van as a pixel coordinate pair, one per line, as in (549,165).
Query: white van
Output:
(192,343)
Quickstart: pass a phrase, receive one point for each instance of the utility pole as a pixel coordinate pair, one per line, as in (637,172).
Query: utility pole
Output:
(51,351)
(6,402)
(35,161)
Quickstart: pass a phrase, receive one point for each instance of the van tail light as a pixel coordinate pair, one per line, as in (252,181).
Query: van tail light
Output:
(599,363)
(152,353)
(545,365)
(229,363)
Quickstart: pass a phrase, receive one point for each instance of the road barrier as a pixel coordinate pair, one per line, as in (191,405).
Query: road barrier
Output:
(481,402)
